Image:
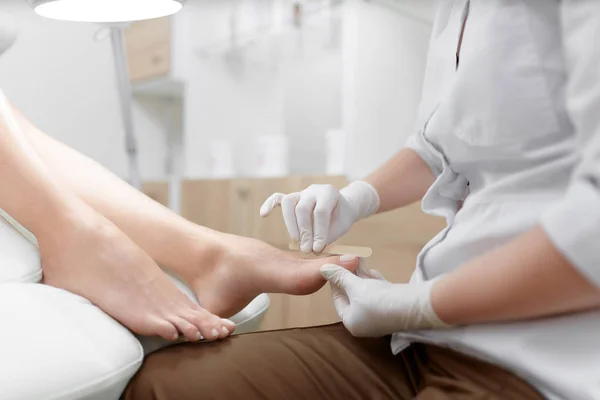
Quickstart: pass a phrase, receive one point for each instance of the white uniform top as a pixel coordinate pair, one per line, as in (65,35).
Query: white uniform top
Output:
(514,131)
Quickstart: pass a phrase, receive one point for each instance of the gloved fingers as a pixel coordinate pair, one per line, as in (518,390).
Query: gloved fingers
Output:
(362,271)
(341,225)
(322,219)
(304,216)
(269,205)
(341,277)
(288,208)
(377,275)
(340,300)
(365,273)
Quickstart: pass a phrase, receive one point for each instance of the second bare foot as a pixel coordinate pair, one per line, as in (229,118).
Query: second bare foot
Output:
(89,256)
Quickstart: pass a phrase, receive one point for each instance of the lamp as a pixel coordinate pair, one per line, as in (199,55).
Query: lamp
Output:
(105,10)
(114,12)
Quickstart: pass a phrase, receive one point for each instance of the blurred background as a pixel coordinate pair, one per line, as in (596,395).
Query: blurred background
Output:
(239,88)
(237,99)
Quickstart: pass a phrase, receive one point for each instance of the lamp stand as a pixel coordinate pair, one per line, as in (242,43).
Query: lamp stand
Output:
(126,102)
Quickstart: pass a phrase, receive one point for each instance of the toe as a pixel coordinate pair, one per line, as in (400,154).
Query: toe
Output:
(230,325)
(208,324)
(189,330)
(224,330)
(166,330)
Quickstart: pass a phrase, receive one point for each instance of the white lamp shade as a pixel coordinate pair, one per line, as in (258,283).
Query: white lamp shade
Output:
(106,10)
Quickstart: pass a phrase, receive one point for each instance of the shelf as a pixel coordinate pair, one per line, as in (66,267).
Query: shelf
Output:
(161,87)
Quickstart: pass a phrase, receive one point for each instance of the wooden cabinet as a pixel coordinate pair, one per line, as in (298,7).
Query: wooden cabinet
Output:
(149,49)
(233,206)
(157,191)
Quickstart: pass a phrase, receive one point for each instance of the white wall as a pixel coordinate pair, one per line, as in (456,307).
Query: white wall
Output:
(64,82)
(384,54)
(371,85)
(313,104)
(313,97)
(264,77)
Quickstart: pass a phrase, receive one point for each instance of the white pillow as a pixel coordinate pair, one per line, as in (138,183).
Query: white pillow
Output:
(19,256)
(57,345)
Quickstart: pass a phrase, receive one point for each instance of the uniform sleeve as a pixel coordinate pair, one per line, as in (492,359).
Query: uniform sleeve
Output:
(419,145)
(574,225)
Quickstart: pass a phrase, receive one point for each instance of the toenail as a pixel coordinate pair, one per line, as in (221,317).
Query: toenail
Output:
(215,332)
(198,336)
(228,322)
(224,330)
(348,257)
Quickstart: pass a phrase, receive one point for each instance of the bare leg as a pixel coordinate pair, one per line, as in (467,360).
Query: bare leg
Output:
(225,271)
(85,253)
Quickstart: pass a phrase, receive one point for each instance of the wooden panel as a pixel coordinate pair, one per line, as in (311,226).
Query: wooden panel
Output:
(142,33)
(158,191)
(150,63)
(276,316)
(396,262)
(148,47)
(242,215)
(208,203)
(408,225)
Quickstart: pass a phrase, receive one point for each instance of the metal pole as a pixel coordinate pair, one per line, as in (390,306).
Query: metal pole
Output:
(126,100)
(174,152)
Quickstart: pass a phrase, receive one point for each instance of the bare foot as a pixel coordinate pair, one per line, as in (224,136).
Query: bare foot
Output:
(89,256)
(237,269)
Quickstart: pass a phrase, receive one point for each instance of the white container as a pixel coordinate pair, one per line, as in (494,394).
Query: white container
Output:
(335,140)
(272,156)
(222,159)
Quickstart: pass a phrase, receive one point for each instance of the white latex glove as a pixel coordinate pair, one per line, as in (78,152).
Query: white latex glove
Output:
(370,306)
(321,214)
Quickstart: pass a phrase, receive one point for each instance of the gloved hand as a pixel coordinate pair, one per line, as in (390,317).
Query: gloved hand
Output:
(370,306)
(321,214)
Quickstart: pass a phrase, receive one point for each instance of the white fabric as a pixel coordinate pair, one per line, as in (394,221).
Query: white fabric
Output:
(19,258)
(514,131)
(56,345)
(370,306)
(321,214)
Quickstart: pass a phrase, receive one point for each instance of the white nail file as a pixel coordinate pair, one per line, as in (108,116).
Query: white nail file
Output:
(338,249)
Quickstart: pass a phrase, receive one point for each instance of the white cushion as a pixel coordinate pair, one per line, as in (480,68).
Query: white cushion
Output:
(56,345)
(19,257)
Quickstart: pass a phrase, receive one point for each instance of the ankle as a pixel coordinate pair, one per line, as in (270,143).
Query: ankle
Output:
(195,253)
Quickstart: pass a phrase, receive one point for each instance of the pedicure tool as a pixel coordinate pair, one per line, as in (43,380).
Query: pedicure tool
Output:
(340,250)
